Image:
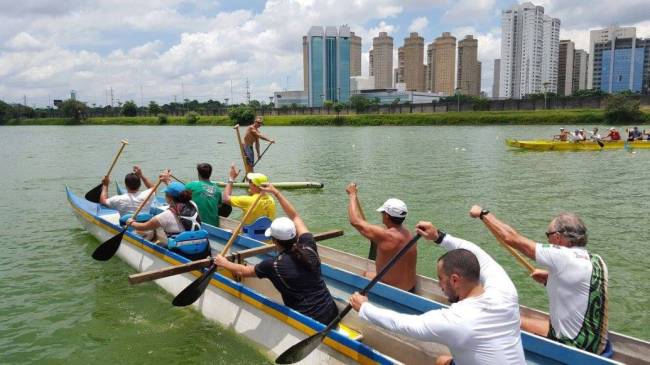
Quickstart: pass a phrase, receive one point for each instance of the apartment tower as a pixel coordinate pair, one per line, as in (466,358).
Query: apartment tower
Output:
(355,55)
(496,78)
(381,61)
(444,64)
(469,68)
(565,68)
(413,54)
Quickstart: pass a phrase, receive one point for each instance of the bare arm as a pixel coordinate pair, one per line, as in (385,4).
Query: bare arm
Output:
(257,147)
(288,208)
(138,172)
(103,197)
(370,231)
(505,233)
(246,271)
(145,226)
(227,191)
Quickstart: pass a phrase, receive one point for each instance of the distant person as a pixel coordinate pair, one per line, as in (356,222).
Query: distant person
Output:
(575,280)
(595,136)
(296,271)
(266,205)
(634,134)
(576,136)
(206,195)
(130,201)
(583,135)
(389,239)
(481,326)
(563,136)
(252,137)
(612,135)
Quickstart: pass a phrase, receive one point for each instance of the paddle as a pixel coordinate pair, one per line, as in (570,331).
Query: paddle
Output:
(520,259)
(303,348)
(247,168)
(372,251)
(193,291)
(94,194)
(224,210)
(262,154)
(108,249)
(142,277)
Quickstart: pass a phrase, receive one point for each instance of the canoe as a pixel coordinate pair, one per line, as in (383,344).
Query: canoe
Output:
(252,307)
(283,185)
(546,145)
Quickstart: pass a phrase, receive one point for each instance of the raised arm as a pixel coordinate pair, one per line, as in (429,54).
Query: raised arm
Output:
(138,172)
(288,208)
(505,233)
(227,191)
(103,197)
(357,221)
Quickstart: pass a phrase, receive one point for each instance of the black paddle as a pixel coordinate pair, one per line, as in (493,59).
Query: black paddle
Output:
(108,249)
(259,158)
(194,291)
(303,348)
(94,194)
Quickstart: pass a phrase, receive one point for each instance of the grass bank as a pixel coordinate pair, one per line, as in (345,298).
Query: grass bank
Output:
(555,117)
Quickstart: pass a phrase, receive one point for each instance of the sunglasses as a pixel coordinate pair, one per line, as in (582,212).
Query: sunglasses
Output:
(549,234)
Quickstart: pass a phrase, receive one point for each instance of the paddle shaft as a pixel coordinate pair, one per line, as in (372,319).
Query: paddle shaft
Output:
(235,233)
(262,154)
(247,168)
(200,264)
(177,179)
(110,169)
(144,202)
(522,261)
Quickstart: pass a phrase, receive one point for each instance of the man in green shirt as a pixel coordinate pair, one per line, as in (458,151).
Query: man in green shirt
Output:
(206,195)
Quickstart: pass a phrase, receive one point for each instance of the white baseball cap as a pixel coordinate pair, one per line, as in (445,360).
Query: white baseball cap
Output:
(282,229)
(394,208)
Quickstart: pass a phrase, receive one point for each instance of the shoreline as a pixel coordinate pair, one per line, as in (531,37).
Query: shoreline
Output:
(539,117)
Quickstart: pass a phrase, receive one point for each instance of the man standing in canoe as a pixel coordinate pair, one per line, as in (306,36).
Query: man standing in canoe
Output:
(265,207)
(389,239)
(576,281)
(129,202)
(252,137)
(481,327)
(206,195)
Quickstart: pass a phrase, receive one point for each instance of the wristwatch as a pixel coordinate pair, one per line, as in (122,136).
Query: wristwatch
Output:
(441,236)
(483,213)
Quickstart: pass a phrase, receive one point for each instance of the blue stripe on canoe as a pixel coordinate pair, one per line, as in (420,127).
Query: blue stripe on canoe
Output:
(356,346)
(405,302)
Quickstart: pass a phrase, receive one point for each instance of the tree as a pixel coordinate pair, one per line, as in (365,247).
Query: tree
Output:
(622,109)
(328,104)
(255,104)
(192,118)
(154,108)
(589,93)
(5,112)
(395,102)
(129,109)
(359,103)
(338,107)
(74,110)
(242,114)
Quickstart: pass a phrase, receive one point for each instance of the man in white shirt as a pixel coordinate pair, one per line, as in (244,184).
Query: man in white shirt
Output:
(129,202)
(481,326)
(575,280)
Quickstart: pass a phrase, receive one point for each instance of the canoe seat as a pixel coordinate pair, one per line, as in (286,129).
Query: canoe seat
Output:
(256,229)
(350,333)
(141,218)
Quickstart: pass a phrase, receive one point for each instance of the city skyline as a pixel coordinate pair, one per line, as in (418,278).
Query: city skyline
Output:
(193,50)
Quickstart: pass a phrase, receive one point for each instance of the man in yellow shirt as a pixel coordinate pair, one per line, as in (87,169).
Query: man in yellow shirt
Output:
(266,205)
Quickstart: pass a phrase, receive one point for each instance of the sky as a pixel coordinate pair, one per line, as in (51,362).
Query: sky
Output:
(164,50)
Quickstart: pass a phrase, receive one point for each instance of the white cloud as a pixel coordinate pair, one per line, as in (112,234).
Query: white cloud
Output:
(463,11)
(419,24)
(24,41)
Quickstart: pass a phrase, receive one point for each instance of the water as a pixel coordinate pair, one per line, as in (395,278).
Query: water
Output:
(58,305)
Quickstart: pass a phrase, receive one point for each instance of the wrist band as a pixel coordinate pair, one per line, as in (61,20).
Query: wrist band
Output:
(441,236)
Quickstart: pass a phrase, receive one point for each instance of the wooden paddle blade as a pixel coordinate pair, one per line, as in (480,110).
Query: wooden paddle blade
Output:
(225,210)
(94,194)
(193,291)
(302,349)
(108,249)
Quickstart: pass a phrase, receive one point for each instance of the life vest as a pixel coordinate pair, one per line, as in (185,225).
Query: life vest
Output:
(193,243)
(616,136)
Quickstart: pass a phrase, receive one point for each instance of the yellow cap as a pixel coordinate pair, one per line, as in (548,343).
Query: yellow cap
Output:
(256,178)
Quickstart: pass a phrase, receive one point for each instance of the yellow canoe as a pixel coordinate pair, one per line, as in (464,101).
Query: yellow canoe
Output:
(546,145)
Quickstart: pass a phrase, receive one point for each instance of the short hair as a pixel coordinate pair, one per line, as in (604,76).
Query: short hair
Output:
(571,227)
(204,170)
(132,181)
(396,220)
(461,262)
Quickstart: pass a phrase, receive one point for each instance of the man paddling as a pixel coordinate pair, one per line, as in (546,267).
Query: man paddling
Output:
(252,137)
(265,207)
(575,280)
(389,240)
(127,203)
(206,195)
(481,327)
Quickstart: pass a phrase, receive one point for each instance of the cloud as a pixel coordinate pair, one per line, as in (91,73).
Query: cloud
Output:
(419,24)
(462,11)
(594,14)
(24,41)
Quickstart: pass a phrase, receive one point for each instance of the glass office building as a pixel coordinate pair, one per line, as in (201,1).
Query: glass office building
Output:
(329,65)
(621,64)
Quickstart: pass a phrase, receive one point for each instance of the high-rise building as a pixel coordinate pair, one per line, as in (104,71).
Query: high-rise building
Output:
(401,64)
(444,64)
(529,51)
(305,63)
(381,61)
(620,61)
(328,65)
(602,36)
(413,53)
(355,55)
(428,74)
(565,68)
(496,78)
(580,63)
(469,68)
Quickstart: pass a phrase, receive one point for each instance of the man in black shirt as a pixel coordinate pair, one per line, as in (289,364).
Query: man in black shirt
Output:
(295,272)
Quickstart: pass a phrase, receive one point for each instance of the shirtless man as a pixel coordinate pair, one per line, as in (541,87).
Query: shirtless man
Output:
(252,137)
(389,239)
